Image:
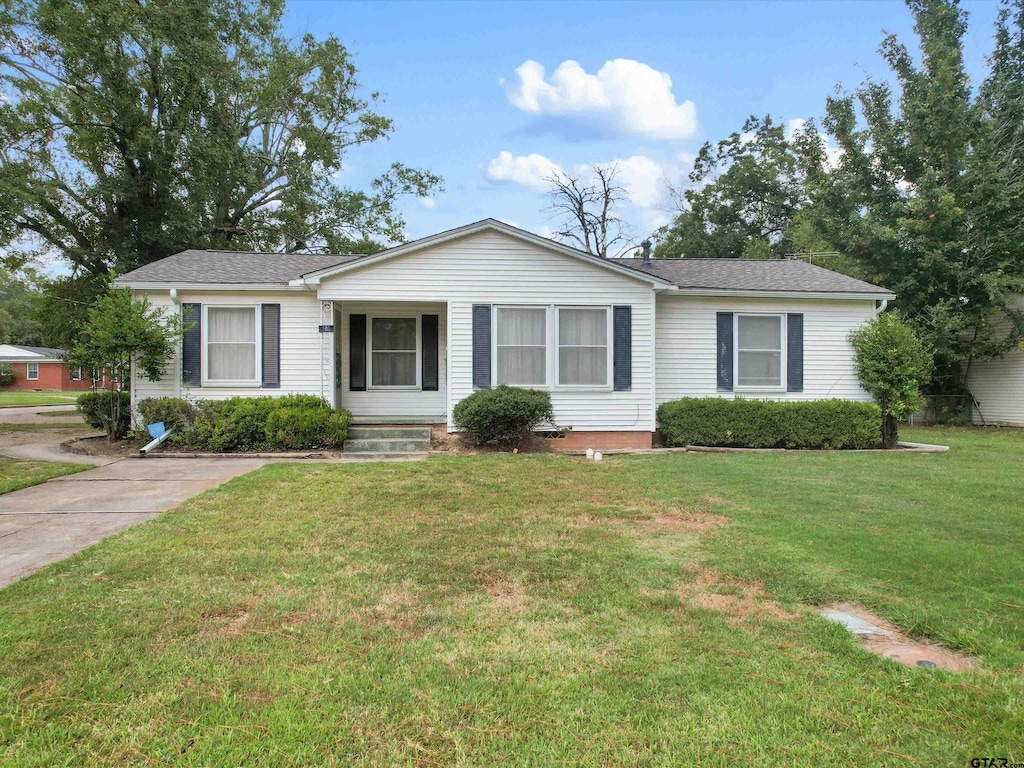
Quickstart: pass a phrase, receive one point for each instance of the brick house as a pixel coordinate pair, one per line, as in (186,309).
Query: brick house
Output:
(41,368)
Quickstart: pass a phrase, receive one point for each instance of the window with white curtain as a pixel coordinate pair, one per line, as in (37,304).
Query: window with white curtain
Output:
(583,346)
(759,351)
(393,352)
(521,346)
(231,345)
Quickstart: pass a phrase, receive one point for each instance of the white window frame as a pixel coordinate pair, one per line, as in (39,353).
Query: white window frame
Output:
(547,344)
(783,351)
(28,372)
(419,353)
(255,382)
(609,348)
(76,374)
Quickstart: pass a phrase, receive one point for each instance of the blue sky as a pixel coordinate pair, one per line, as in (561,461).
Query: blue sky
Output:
(468,104)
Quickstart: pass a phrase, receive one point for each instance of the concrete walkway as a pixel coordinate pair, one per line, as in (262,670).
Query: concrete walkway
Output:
(47,522)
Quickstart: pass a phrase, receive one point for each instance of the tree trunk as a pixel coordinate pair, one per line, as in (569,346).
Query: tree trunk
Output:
(890,431)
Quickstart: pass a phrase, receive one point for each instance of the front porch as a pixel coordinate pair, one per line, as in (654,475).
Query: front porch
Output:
(390,362)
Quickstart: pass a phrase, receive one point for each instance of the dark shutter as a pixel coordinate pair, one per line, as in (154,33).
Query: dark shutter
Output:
(357,353)
(622,354)
(795,353)
(271,315)
(192,345)
(428,332)
(481,346)
(725,344)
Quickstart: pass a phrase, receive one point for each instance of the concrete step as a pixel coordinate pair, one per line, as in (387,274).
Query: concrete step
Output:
(395,445)
(389,433)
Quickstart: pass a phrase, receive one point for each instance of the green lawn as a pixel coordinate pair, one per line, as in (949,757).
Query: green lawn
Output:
(21,474)
(46,425)
(8,398)
(536,610)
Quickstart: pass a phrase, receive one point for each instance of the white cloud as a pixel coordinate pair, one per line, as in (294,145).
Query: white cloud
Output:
(625,96)
(643,180)
(529,171)
(511,223)
(428,202)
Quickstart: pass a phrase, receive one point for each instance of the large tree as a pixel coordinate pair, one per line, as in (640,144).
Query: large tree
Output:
(130,130)
(742,197)
(586,205)
(927,196)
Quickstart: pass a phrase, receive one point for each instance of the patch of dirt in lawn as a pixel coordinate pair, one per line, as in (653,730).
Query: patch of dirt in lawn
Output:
(229,622)
(27,437)
(887,640)
(737,600)
(507,595)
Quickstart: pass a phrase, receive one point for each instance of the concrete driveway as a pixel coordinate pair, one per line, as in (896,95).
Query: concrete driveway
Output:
(47,522)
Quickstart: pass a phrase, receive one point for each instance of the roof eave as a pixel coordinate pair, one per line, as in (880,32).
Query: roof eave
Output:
(833,295)
(178,285)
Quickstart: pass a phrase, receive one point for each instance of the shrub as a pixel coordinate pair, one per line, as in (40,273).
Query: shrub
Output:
(716,421)
(892,364)
(307,427)
(503,415)
(6,374)
(175,412)
(262,423)
(101,411)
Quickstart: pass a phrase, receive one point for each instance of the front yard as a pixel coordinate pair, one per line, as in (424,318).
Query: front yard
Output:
(536,610)
(45,397)
(15,475)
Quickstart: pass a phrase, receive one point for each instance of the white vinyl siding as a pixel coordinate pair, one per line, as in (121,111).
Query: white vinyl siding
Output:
(998,385)
(300,346)
(687,346)
(500,270)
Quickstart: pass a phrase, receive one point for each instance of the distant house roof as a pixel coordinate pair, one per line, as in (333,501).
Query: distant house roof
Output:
(771,275)
(17,353)
(233,267)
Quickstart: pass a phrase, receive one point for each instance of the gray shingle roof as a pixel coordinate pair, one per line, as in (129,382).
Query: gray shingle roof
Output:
(195,266)
(791,275)
(48,353)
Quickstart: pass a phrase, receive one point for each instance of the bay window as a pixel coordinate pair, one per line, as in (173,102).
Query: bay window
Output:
(231,345)
(394,352)
(759,351)
(521,347)
(583,358)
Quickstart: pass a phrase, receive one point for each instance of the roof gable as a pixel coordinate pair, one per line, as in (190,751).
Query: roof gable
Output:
(479,227)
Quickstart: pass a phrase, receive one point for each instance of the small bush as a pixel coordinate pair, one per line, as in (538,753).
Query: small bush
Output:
(264,423)
(175,412)
(504,415)
(101,412)
(716,421)
(6,374)
(307,427)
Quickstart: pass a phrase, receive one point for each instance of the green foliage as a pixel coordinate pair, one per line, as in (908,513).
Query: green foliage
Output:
(175,412)
(927,195)
(120,330)
(746,191)
(715,421)
(503,416)
(134,130)
(19,291)
(307,427)
(892,365)
(107,410)
(6,374)
(263,423)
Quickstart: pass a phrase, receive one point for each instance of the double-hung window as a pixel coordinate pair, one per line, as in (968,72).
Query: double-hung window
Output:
(32,371)
(583,359)
(394,352)
(231,345)
(521,346)
(759,351)
(76,374)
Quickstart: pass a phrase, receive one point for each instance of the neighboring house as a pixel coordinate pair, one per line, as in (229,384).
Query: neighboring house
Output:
(403,335)
(998,385)
(41,368)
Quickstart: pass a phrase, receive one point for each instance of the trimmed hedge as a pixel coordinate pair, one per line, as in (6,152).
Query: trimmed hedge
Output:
(250,423)
(714,421)
(504,415)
